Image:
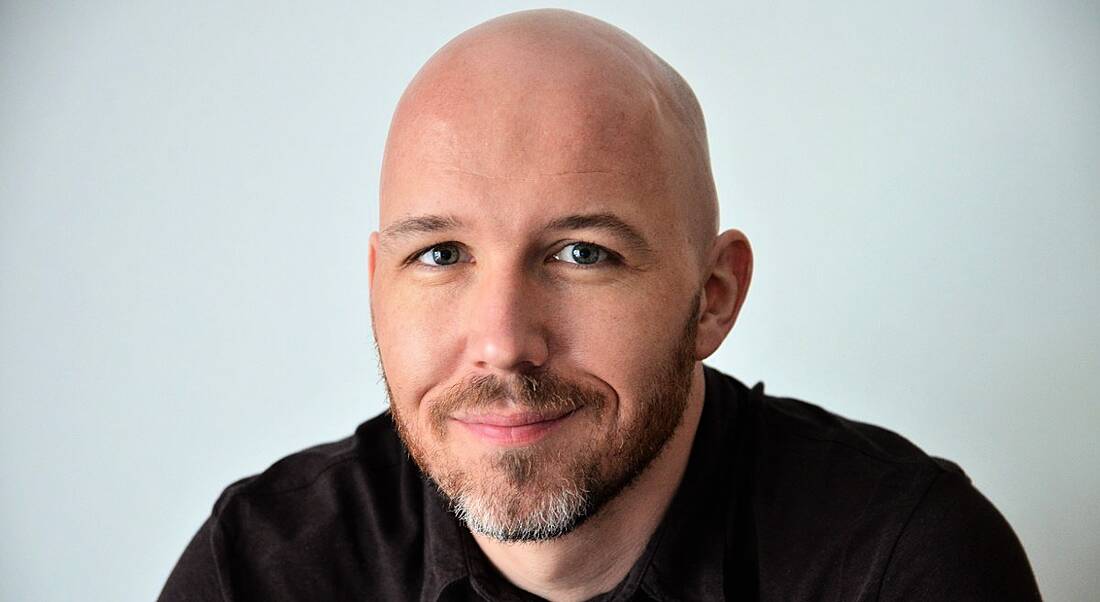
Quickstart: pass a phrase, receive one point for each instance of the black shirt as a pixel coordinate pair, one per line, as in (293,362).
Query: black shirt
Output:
(781,500)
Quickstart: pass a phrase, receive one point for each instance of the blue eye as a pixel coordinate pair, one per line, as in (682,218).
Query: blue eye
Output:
(441,255)
(582,253)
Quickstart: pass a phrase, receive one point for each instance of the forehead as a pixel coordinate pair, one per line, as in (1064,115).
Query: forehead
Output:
(513,209)
(529,154)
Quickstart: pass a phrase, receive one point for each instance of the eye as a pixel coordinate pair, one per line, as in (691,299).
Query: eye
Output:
(442,255)
(582,253)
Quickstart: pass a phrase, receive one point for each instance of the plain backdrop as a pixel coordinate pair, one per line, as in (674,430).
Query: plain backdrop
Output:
(186,192)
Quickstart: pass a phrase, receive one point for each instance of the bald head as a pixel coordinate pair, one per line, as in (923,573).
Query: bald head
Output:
(549,94)
(547,210)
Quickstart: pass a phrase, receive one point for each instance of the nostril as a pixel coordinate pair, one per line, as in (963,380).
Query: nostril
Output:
(511,350)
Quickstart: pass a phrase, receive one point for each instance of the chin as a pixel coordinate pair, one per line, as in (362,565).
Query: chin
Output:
(522,495)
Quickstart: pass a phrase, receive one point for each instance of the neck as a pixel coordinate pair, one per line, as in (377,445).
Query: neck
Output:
(596,556)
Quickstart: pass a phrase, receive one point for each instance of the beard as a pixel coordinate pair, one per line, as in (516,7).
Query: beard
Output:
(540,492)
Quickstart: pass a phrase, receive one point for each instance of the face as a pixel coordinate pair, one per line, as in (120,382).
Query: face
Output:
(534,295)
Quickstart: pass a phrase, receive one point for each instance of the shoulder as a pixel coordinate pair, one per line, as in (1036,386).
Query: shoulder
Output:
(805,455)
(321,488)
(955,545)
(836,501)
(790,431)
(331,519)
(335,513)
(371,455)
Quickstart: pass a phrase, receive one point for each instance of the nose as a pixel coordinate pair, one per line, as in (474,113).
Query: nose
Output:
(506,332)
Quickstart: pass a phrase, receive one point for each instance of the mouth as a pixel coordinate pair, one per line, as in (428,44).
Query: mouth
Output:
(514,428)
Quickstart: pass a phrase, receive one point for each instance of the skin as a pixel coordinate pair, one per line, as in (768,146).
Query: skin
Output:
(510,128)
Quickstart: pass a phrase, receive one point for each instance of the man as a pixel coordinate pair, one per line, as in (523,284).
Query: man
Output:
(547,278)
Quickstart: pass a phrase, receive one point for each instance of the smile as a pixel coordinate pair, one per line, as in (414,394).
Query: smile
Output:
(519,428)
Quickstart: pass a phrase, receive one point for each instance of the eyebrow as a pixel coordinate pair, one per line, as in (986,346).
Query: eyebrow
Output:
(607,222)
(420,224)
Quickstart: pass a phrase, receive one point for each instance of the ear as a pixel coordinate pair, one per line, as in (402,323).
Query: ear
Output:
(372,258)
(724,290)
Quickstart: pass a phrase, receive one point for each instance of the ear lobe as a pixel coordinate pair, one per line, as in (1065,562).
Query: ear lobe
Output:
(724,291)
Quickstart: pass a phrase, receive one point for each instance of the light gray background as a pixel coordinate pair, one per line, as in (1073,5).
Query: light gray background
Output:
(187,191)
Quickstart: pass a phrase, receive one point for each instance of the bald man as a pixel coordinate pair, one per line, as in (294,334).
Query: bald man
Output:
(546,280)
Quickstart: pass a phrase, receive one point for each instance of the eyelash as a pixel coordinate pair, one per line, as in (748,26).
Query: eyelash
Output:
(612,257)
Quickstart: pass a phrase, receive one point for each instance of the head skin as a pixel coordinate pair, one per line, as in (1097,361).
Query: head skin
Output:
(560,80)
(522,147)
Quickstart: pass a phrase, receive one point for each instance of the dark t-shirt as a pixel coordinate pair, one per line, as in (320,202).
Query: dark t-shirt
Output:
(781,500)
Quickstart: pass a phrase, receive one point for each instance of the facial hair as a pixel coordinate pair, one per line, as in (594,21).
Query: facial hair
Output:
(533,493)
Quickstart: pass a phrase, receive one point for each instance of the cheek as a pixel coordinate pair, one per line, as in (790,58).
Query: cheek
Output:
(416,346)
(625,339)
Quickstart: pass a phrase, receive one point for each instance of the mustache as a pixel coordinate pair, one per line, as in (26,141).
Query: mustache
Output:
(542,391)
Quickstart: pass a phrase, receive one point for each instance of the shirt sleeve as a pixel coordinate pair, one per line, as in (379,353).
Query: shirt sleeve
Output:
(196,575)
(957,546)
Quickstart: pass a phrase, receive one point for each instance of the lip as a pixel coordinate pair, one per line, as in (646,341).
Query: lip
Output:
(517,428)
